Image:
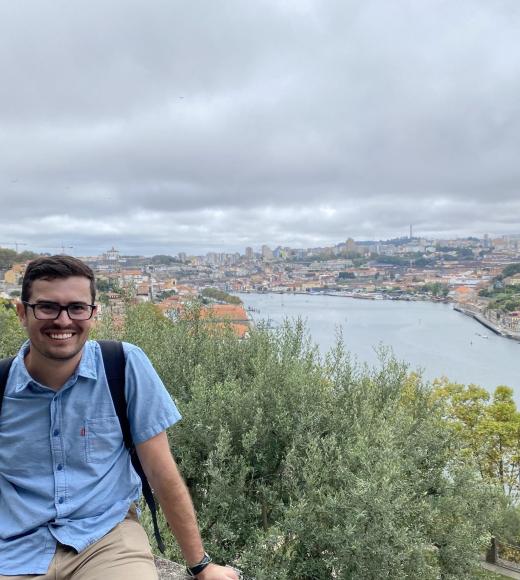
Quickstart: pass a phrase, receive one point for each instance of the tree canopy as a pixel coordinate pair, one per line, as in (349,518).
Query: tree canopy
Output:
(309,468)
(220,296)
(9,257)
(511,270)
(489,427)
(12,333)
(306,467)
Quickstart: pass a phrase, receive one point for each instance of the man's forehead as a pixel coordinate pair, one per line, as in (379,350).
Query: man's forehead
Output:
(72,286)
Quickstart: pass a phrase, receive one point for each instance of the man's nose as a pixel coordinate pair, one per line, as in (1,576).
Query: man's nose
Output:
(63,317)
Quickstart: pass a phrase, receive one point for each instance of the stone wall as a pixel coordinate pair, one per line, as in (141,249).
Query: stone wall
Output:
(170,570)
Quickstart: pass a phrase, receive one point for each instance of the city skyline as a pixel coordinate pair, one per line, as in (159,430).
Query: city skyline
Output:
(508,240)
(180,127)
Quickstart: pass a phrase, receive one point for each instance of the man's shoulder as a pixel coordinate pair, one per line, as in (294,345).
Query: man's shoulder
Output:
(134,355)
(95,346)
(15,365)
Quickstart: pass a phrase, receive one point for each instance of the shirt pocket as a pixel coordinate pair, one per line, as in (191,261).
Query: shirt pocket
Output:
(102,438)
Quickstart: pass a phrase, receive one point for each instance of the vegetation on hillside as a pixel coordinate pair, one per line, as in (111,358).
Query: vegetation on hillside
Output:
(510,270)
(504,297)
(10,257)
(220,296)
(164,260)
(437,289)
(104,285)
(506,302)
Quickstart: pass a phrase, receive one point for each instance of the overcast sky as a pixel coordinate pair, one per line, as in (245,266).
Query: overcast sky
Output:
(162,126)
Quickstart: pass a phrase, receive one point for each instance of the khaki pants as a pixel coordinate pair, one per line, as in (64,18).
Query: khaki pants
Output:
(123,554)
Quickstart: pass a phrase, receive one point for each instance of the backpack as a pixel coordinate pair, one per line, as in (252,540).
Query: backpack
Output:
(114,363)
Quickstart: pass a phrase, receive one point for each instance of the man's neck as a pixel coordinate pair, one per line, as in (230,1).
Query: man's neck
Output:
(52,373)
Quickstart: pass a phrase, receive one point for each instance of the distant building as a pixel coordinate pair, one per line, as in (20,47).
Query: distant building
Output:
(267,253)
(111,255)
(212,258)
(14,275)
(111,260)
(232,315)
(512,280)
(351,246)
(281,253)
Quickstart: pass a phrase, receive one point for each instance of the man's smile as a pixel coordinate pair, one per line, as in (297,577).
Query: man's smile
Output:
(60,335)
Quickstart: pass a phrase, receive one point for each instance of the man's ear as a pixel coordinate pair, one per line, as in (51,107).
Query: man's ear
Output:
(22,313)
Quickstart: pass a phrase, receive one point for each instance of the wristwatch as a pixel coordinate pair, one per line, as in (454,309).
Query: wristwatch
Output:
(197,569)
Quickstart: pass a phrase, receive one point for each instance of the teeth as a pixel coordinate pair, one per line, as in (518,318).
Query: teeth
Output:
(61,336)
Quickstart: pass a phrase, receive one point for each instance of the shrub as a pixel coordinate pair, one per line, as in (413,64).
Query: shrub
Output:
(305,468)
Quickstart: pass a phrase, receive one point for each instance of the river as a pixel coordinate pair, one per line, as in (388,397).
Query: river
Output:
(429,336)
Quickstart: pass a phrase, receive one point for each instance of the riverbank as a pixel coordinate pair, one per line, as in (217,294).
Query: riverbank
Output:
(404,297)
(384,296)
(479,317)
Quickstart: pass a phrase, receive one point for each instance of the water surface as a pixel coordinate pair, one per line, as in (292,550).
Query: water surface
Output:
(429,336)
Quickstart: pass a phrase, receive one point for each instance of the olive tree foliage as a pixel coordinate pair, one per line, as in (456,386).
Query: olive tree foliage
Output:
(12,333)
(308,468)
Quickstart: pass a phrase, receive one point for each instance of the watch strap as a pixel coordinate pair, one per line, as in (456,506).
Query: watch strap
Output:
(197,569)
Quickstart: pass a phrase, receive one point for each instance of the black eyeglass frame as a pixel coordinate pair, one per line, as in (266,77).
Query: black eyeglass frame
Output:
(61,308)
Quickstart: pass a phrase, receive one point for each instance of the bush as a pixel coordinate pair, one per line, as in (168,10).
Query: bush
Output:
(12,334)
(305,468)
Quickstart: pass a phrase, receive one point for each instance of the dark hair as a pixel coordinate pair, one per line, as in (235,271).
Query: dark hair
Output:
(52,267)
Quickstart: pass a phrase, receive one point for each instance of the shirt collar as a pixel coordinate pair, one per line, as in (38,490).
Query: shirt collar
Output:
(86,367)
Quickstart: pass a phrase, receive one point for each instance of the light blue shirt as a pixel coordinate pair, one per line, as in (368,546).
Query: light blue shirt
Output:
(65,474)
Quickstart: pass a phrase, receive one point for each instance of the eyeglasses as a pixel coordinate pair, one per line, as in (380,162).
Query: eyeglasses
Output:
(52,310)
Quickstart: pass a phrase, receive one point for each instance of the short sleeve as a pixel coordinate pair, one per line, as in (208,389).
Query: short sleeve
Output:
(150,407)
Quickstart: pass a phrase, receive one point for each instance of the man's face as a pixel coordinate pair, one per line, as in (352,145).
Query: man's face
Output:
(63,338)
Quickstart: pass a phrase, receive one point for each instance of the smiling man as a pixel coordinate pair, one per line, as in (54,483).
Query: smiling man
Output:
(68,490)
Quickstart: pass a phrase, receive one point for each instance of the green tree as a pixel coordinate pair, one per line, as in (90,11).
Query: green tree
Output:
(306,468)
(435,289)
(490,429)
(220,296)
(9,257)
(27,255)
(510,270)
(12,333)
(164,260)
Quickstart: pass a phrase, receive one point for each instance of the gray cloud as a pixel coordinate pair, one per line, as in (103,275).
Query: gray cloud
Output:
(172,126)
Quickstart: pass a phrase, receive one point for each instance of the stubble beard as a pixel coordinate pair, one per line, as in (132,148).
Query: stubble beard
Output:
(52,351)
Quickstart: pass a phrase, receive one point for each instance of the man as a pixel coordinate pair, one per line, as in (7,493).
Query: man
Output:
(67,487)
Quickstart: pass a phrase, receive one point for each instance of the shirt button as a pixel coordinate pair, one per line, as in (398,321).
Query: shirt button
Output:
(56,432)
(61,500)
(60,466)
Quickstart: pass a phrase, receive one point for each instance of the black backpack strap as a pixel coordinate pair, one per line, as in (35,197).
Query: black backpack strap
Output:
(5,366)
(114,362)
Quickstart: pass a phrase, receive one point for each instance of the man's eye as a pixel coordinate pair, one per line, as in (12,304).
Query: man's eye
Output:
(48,308)
(78,308)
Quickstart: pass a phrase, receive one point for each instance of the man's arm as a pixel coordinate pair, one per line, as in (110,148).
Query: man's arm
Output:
(174,498)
